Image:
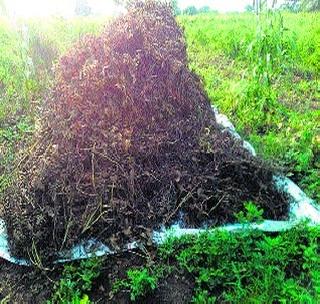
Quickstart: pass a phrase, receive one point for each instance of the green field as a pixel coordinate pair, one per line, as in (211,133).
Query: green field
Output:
(264,74)
(274,103)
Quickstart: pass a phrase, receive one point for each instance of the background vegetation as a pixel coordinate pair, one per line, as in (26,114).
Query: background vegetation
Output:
(263,72)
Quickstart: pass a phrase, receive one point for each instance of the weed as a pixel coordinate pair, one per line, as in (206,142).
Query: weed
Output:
(251,214)
(76,281)
(141,282)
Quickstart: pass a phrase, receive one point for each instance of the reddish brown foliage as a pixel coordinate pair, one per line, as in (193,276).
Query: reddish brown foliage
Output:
(127,141)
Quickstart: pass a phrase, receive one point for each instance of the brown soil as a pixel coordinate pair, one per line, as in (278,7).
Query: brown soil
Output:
(21,285)
(28,285)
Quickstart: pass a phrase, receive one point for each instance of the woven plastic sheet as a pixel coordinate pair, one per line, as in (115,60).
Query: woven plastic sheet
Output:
(302,208)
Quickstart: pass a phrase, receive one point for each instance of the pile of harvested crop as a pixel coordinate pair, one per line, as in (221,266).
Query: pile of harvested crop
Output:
(128,142)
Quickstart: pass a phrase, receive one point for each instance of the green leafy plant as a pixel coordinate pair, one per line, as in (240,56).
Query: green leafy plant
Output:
(139,283)
(254,267)
(251,213)
(76,281)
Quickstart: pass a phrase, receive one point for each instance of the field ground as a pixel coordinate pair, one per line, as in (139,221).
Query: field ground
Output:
(264,75)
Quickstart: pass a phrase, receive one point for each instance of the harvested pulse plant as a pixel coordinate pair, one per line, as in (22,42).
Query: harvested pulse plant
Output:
(128,142)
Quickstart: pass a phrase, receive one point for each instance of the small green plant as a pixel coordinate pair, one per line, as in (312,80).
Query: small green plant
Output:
(203,297)
(76,281)
(251,214)
(139,283)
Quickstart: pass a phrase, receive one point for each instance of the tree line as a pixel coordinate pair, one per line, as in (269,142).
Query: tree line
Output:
(289,5)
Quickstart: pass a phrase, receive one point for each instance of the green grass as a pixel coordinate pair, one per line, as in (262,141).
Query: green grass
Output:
(28,51)
(75,282)
(14,71)
(264,74)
